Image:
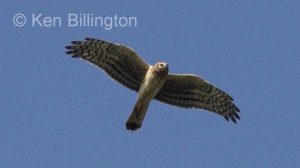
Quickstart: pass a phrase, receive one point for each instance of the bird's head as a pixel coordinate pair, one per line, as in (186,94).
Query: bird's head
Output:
(162,67)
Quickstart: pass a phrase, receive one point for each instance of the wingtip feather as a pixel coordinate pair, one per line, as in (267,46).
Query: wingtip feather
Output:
(70,52)
(236,116)
(233,119)
(226,118)
(90,39)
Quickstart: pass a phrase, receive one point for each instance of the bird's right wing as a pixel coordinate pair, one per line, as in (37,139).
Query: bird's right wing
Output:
(118,61)
(191,91)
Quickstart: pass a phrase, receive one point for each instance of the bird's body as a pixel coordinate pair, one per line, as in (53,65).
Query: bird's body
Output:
(153,82)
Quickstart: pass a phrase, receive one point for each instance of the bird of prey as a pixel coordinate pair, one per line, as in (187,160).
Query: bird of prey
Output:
(153,82)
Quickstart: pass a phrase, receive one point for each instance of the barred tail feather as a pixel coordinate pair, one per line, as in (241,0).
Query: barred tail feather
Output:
(137,116)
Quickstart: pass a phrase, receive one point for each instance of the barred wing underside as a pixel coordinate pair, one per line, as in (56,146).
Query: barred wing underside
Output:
(191,91)
(118,61)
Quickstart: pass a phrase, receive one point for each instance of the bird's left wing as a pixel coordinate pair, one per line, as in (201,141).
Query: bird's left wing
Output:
(118,61)
(191,91)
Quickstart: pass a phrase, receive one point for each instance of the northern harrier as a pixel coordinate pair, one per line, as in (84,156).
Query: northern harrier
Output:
(126,67)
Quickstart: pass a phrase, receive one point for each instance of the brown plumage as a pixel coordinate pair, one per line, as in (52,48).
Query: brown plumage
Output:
(126,67)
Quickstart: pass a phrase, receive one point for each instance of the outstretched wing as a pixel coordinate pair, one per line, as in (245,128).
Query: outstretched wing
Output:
(191,91)
(118,61)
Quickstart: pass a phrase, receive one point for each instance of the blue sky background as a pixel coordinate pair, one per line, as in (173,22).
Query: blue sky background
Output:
(61,112)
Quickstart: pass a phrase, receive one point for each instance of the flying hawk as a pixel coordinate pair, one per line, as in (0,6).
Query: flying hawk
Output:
(153,82)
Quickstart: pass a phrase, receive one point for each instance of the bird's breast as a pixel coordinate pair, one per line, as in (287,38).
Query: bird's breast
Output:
(152,84)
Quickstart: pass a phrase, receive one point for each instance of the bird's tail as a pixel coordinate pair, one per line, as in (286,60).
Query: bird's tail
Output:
(137,116)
